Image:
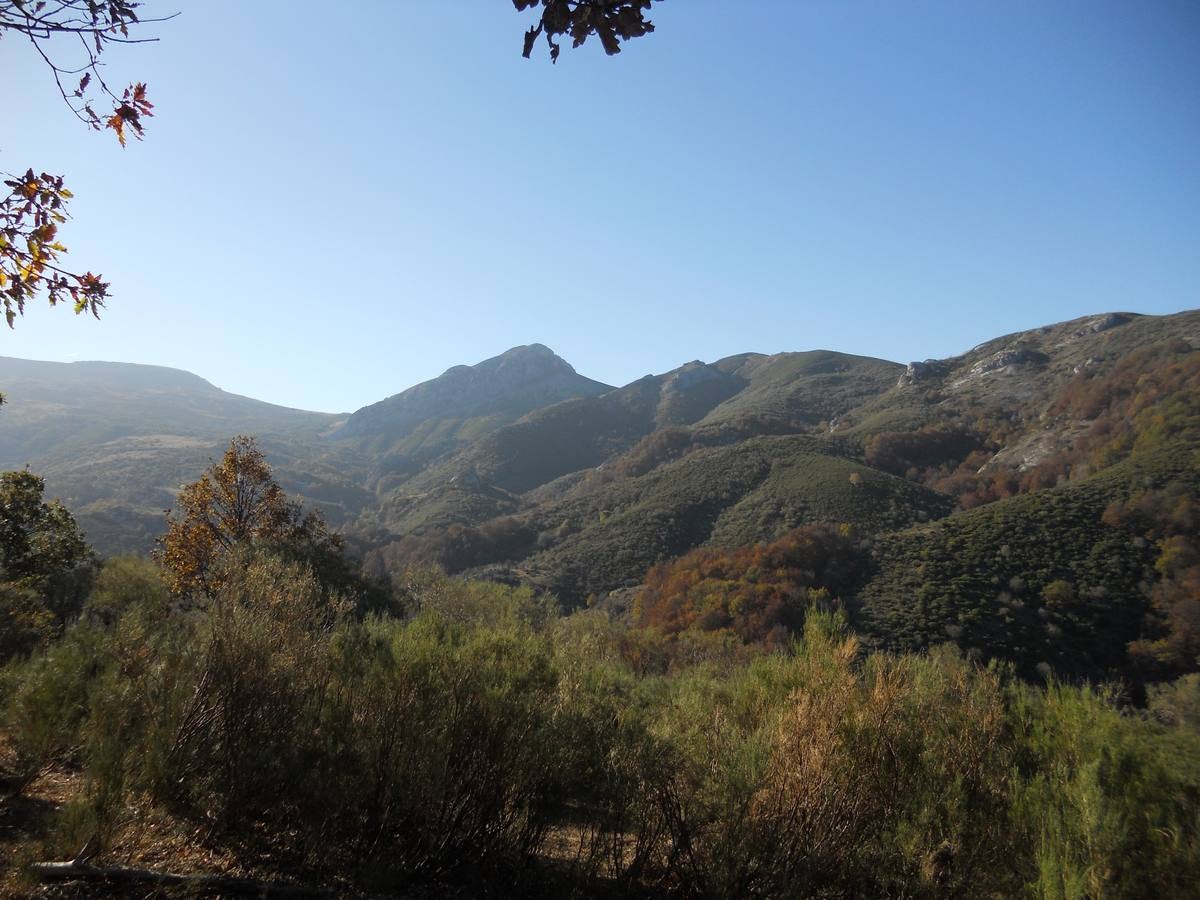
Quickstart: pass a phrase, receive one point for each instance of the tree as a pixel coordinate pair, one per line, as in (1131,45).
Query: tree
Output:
(236,504)
(45,563)
(611,20)
(30,252)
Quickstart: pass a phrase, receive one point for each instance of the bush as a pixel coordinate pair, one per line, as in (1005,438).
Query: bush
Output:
(45,702)
(486,732)
(1099,810)
(810,774)
(450,733)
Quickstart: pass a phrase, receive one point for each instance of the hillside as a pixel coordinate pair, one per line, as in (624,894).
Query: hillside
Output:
(734,398)
(115,441)
(980,578)
(976,483)
(751,491)
(1018,376)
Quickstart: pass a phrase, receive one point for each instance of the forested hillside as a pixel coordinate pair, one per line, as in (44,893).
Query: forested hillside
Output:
(974,484)
(797,625)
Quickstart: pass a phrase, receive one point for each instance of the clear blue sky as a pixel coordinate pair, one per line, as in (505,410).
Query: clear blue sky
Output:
(338,200)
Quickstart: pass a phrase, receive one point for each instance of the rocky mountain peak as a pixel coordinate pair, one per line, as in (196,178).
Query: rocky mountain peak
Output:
(510,384)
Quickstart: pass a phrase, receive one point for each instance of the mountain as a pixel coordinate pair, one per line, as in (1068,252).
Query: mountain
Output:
(980,484)
(466,401)
(54,411)
(740,395)
(115,441)
(977,482)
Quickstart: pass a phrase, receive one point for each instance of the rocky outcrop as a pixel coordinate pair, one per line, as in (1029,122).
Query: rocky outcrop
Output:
(1009,360)
(1103,323)
(922,371)
(691,374)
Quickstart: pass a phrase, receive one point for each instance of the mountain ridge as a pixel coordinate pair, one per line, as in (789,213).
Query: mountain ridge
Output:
(512,433)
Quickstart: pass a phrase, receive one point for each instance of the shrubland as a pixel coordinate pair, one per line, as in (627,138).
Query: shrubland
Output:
(248,701)
(474,732)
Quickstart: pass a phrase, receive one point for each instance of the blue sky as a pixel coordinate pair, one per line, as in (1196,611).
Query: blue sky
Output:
(336,201)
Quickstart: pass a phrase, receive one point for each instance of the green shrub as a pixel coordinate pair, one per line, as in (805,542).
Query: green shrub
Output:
(46,700)
(822,772)
(1097,803)
(485,732)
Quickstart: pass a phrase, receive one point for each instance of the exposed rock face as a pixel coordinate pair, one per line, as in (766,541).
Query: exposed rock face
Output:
(1103,323)
(691,391)
(521,379)
(692,374)
(922,371)
(1008,361)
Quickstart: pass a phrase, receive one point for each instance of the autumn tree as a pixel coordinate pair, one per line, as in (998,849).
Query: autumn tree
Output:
(1168,517)
(610,20)
(70,37)
(236,504)
(760,592)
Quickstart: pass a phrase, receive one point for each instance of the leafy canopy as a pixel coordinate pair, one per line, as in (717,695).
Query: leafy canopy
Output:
(30,253)
(44,563)
(235,504)
(38,540)
(610,20)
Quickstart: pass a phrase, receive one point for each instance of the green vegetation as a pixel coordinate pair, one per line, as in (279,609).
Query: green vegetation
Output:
(258,706)
(45,564)
(805,388)
(753,490)
(980,578)
(483,737)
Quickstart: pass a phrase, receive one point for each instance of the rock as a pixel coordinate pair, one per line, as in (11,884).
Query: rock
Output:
(921,371)
(691,374)
(469,479)
(1008,361)
(1103,323)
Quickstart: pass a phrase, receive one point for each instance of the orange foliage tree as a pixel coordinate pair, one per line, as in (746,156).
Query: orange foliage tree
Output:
(761,592)
(30,251)
(1171,518)
(236,503)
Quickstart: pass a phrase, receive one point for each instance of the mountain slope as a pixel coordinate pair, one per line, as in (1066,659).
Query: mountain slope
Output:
(115,441)
(736,397)
(466,402)
(579,487)
(979,577)
(54,411)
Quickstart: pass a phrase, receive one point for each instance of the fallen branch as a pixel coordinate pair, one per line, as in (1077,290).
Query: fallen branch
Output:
(228,884)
